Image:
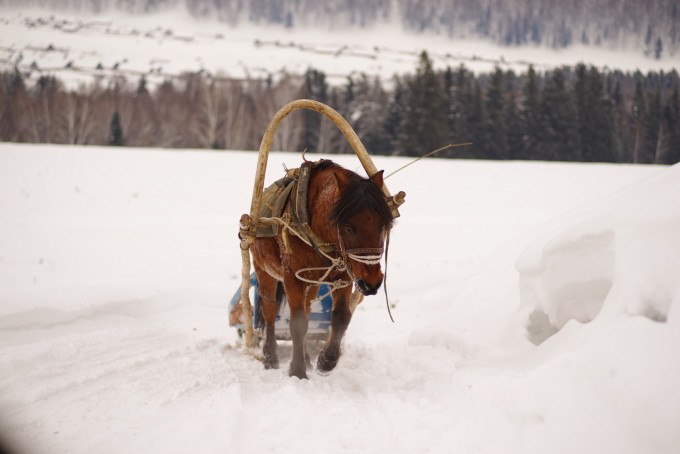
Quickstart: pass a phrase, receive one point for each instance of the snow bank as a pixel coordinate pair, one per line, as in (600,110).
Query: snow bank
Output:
(601,299)
(624,258)
(605,386)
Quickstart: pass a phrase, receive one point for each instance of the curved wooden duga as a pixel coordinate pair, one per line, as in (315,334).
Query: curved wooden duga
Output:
(248,224)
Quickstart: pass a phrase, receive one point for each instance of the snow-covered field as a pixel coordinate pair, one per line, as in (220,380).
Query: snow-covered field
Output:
(117,265)
(78,47)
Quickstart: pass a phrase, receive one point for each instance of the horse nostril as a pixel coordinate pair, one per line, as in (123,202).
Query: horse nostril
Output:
(366,288)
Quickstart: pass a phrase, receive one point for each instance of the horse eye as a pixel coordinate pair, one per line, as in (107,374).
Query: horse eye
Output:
(349,228)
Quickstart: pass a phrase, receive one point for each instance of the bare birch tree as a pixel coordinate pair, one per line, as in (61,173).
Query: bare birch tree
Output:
(272,98)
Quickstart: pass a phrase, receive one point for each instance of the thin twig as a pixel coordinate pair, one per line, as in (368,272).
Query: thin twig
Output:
(451,145)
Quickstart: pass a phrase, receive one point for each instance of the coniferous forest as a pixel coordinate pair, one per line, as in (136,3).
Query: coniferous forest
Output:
(580,113)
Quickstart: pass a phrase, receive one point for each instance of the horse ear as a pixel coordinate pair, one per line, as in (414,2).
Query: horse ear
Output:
(377,179)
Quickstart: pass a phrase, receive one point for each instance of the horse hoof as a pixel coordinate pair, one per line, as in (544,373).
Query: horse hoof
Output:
(301,374)
(270,361)
(271,364)
(323,373)
(327,361)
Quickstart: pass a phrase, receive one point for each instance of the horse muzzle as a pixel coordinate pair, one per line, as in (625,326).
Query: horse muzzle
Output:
(366,288)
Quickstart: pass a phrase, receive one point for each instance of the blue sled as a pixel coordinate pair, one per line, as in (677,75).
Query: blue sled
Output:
(319,318)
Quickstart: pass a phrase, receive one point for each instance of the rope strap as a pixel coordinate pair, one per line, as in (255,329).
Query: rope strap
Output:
(337,263)
(368,256)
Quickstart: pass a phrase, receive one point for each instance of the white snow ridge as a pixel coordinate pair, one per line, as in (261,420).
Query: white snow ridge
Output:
(624,259)
(540,315)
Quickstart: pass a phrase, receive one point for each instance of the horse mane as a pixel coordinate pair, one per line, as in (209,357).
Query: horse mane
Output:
(357,195)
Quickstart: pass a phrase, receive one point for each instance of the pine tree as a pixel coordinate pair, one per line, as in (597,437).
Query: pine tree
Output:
(425,126)
(458,101)
(658,48)
(671,121)
(349,95)
(560,138)
(478,123)
(394,117)
(368,115)
(450,93)
(115,131)
(529,116)
(652,128)
(638,115)
(335,143)
(316,88)
(464,103)
(596,117)
(623,134)
(497,120)
(581,102)
(515,135)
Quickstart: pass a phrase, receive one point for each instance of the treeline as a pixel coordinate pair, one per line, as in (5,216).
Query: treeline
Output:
(566,114)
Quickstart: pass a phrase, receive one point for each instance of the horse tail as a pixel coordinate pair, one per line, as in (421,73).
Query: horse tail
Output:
(280,294)
(258,316)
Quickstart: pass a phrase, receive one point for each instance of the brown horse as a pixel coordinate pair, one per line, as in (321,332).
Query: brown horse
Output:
(350,218)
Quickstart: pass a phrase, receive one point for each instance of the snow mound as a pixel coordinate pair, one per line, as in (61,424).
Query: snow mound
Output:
(620,257)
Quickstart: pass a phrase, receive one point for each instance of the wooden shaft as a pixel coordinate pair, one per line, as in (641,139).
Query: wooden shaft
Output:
(268,138)
(246,306)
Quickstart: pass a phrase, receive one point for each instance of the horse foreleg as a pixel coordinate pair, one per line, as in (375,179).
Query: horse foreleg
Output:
(298,331)
(270,309)
(298,296)
(340,318)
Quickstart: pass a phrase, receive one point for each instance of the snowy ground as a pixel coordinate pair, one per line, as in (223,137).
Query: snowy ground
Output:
(117,265)
(77,48)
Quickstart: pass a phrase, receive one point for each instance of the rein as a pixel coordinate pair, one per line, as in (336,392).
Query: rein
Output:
(301,229)
(368,256)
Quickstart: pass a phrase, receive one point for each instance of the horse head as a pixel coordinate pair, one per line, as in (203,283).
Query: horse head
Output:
(362,219)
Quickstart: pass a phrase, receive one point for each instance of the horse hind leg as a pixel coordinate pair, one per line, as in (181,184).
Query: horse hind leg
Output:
(270,294)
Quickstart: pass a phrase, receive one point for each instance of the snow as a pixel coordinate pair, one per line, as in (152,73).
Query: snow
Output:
(117,266)
(166,44)
(624,260)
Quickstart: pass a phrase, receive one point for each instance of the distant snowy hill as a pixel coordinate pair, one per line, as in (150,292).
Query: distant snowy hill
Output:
(650,27)
(77,41)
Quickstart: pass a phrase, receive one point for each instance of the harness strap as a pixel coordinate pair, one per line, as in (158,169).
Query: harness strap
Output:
(298,213)
(298,209)
(369,256)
